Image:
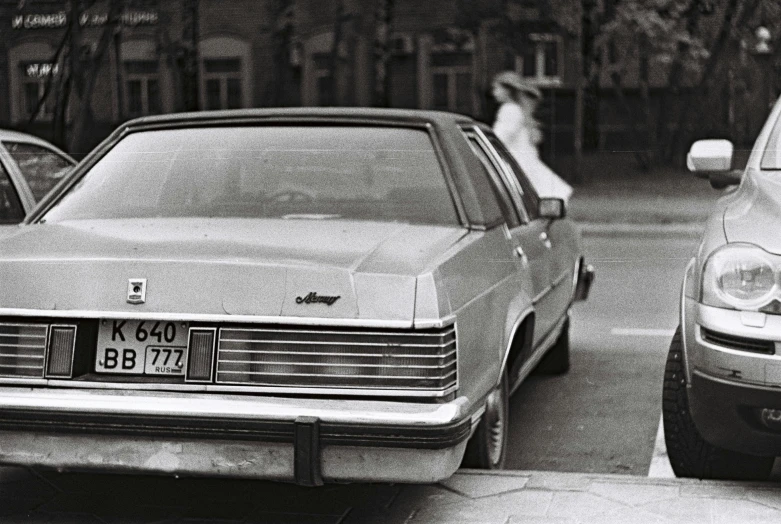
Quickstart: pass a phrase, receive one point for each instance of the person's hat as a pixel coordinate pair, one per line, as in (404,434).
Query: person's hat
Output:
(514,80)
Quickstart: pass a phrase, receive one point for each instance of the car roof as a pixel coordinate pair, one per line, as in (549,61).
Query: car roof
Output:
(358,114)
(10,135)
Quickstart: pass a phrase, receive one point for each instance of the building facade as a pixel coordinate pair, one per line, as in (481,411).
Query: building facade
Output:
(262,53)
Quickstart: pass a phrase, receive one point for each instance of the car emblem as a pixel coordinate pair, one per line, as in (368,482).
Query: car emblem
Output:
(136,290)
(314,298)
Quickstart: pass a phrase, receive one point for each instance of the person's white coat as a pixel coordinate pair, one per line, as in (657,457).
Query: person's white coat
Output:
(521,135)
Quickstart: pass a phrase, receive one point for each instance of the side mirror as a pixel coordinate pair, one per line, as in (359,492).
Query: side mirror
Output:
(712,159)
(552,208)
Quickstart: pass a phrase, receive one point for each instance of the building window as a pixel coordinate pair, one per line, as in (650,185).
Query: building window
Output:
(142,83)
(451,77)
(324,84)
(223,79)
(35,77)
(540,60)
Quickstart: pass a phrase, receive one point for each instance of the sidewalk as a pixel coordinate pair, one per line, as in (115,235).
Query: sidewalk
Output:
(468,497)
(617,198)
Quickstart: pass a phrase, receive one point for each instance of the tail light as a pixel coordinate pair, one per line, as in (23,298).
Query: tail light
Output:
(62,340)
(200,356)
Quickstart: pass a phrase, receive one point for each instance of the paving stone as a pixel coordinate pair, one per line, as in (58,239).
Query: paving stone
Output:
(767,497)
(682,510)
(558,482)
(743,511)
(630,516)
(488,509)
(633,494)
(514,519)
(712,490)
(475,486)
(581,505)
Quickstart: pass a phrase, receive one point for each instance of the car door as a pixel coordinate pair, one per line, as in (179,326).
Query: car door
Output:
(526,236)
(41,167)
(558,236)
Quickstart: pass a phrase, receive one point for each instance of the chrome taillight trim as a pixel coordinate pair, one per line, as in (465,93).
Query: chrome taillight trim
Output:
(48,348)
(213,331)
(261,357)
(5,345)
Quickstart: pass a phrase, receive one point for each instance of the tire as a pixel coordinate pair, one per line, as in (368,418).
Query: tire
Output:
(487,449)
(556,360)
(690,455)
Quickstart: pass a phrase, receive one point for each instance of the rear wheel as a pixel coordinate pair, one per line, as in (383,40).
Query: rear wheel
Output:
(487,447)
(556,360)
(690,455)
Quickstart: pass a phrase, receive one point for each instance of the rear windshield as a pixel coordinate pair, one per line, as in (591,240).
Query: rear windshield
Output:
(292,172)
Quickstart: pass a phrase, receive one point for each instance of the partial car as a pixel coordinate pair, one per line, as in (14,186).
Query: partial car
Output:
(29,168)
(305,295)
(722,382)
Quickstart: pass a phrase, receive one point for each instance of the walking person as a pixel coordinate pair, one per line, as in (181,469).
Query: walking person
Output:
(516,126)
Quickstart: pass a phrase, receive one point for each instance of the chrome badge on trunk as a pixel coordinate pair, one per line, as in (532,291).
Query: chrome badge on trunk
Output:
(136,290)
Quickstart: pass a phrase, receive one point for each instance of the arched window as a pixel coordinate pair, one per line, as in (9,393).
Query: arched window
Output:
(226,73)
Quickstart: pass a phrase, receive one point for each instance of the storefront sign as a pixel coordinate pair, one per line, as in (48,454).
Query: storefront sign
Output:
(129,18)
(40,21)
(40,70)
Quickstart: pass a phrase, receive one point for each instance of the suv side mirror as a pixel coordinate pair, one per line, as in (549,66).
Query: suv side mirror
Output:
(712,159)
(552,208)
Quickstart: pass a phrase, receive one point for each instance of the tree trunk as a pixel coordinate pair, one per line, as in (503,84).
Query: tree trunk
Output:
(190,39)
(681,134)
(674,82)
(382,30)
(618,91)
(84,117)
(335,61)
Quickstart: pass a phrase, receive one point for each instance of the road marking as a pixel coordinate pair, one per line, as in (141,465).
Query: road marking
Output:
(660,462)
(641,332)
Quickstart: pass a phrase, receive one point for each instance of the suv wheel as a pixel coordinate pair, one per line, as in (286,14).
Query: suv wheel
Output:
(690,455)
(487,447)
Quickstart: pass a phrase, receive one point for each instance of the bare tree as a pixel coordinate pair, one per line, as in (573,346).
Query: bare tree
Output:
(383,20)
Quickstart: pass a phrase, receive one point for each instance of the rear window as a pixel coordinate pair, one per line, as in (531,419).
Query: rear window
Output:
(322,172)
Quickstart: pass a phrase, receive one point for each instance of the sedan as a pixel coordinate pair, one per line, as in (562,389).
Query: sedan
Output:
(306,295)
(722,384)
(29,168)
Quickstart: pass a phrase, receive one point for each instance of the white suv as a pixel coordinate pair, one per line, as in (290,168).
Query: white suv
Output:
(722,383)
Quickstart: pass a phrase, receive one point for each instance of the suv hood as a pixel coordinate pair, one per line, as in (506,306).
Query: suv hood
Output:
(753,213)
(288,268)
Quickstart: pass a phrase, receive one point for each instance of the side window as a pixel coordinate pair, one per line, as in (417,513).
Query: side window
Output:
(508,209)
(11,211)
(530,198)
(41,167)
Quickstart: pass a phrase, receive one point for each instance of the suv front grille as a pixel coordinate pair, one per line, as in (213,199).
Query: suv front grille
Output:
(22,349)
(766,347)
(422,360)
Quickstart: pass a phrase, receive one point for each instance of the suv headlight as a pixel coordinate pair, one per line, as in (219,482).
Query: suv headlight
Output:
(741,276)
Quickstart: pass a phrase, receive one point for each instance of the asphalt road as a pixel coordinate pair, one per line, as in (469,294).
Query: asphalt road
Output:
(603,415)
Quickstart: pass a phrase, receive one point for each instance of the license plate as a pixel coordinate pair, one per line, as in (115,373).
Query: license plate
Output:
(141,347)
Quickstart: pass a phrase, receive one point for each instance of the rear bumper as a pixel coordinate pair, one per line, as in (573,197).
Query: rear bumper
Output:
(303,441)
